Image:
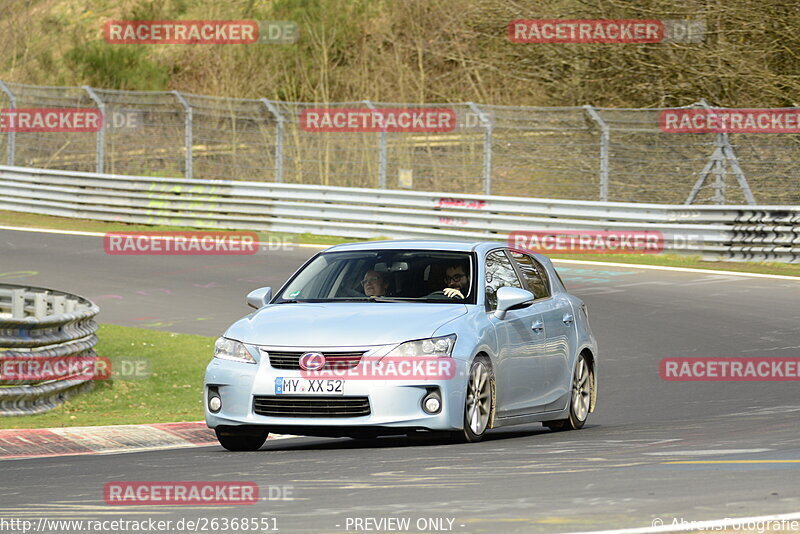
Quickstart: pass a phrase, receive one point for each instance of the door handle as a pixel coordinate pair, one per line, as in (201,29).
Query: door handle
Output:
(537,325)
(567,318)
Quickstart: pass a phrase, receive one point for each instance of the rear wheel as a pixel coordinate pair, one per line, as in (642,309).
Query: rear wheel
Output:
(479,402)
(580,399)
(238,440)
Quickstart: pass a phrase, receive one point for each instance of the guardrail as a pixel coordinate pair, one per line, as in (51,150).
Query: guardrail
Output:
(763,233)
(39,327)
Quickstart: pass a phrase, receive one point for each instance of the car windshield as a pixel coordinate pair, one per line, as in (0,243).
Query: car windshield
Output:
(385,276)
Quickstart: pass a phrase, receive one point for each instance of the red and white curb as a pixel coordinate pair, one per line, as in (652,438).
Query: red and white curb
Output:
(75,441)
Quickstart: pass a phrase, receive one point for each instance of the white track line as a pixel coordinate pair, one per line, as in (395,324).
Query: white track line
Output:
(679,269)
(133,232)
(51,231)
(743,524)
(576,262)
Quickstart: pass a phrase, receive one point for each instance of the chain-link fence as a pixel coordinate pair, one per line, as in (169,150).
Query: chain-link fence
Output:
(582,153)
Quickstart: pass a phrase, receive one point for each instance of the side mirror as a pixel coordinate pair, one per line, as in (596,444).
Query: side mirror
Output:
(258,298)
(512,298)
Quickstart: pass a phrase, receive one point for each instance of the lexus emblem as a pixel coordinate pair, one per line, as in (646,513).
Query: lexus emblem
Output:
(312,361)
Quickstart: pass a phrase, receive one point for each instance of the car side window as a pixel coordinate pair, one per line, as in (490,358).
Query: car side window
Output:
(534,274)
(499,273)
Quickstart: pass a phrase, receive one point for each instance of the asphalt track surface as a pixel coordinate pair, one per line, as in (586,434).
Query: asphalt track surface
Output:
(615,473)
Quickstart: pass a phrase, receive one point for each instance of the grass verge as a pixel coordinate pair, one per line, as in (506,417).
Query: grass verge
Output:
(172,393)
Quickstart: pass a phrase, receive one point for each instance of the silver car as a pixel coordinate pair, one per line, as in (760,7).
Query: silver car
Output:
(405,337)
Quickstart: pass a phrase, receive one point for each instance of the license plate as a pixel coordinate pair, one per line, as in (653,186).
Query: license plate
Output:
(302,386)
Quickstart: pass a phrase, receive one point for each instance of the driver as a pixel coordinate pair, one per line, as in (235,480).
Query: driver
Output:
(456,281)
(375,283)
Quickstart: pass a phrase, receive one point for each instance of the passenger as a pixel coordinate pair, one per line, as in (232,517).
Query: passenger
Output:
(375,283)
(456,281)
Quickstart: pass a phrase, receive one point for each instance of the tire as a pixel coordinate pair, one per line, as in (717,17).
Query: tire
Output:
(238,441)
(479,403)
(580,398)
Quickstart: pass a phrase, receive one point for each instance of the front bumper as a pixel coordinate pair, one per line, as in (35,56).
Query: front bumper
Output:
(393,404)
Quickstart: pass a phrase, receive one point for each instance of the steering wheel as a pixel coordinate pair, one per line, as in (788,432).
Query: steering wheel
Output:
(440,293)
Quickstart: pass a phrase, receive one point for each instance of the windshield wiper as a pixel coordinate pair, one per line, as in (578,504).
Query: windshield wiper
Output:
(368,299)
(353,299)
(385,299)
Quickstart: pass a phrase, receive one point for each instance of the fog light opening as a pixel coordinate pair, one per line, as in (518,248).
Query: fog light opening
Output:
(432,403)
(214,400)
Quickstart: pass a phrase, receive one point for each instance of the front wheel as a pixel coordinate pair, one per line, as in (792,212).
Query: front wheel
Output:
(234,440)
(479,405)
(580,400)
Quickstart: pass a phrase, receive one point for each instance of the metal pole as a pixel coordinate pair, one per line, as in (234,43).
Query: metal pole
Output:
(101,134)
(605,140)
(718,166)
(719,172)
(278,139)
(727,150)
(382,149)
(12,135)
(712,162)
(187,133)
(488,128)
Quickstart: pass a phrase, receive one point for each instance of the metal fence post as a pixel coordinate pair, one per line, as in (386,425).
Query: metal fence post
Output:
(278,139)
(101,133)
(727,150)
(382,149)
(488,128)
(719,172)
(12,135)
(187,133)
(605,138)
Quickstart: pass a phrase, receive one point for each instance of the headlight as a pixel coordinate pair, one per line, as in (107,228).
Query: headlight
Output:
(435,346)
(228,349)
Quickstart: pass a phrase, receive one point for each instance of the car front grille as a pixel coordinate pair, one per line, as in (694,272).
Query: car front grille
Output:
(297,406)
(333,360)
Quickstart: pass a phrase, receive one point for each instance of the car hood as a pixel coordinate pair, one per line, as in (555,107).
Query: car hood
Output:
(307,324)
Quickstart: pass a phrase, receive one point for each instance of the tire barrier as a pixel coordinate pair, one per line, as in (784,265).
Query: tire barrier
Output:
(766,235)
(41,331)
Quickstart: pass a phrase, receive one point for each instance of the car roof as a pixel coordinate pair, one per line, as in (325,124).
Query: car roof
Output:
(433,244)
(418,244)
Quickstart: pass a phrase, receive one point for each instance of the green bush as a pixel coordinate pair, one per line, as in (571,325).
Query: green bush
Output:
(124,67)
